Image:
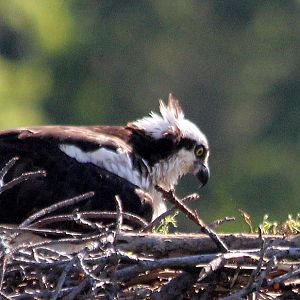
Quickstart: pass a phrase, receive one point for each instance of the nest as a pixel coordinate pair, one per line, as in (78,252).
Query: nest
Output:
(95,260)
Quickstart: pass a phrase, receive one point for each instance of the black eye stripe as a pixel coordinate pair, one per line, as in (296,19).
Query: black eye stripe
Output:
(186,143)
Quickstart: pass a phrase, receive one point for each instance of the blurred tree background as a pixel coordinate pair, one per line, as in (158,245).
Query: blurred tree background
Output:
(234,64)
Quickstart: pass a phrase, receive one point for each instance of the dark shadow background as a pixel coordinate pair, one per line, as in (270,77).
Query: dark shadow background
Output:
(234,64)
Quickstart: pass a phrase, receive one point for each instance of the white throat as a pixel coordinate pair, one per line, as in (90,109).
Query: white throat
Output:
(167,172)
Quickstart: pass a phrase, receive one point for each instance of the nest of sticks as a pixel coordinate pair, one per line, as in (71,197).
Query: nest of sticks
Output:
(39,260)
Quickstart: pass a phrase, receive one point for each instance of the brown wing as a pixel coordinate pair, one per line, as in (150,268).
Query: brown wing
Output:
(37,149)
(88,138)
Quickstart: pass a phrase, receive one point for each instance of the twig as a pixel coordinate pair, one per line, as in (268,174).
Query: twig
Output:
(15,181)
(176,287)
(220,222)
(254,275)
(254,284)
(235,276)
(6,168)
(62,279)
(29,263)
(52,232)
(39,294)
(55,207)
(21,178)
(186,261)
(158,244)
(6,257)
(80,220)
(212,266)
(77,290)
(119,220)
(264,274)
(101,215)
(88,273)
(169,195)
(282,278)
(83,240)
(169,212)
(225,258)
(4,296)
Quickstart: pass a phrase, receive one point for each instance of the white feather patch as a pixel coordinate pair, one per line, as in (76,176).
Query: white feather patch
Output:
(117,162)
(120,164)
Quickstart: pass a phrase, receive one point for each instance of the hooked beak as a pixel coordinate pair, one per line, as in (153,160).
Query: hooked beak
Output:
(203,174)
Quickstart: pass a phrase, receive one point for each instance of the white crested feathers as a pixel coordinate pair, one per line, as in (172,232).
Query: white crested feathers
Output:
(171,120)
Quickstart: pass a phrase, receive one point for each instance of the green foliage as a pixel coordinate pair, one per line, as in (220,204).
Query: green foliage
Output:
(167,224)
(268,226)
(289,226)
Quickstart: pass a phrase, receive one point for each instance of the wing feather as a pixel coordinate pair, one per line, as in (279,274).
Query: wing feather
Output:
(87,138)
(38,149)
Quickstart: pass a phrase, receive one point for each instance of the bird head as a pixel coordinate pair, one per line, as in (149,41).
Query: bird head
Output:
(170,145)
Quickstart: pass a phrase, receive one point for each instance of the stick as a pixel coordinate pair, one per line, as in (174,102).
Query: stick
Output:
(220,222)
(169,212)
(184,244)
(6,168)
(169,195)
(119,208)
(21,178)
(101,215)
(182,261)
(56,206)
(176,287)
(15,181)
(62,279)
(77,290)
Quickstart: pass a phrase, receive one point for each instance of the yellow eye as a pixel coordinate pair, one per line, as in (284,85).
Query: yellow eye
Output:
(199,151)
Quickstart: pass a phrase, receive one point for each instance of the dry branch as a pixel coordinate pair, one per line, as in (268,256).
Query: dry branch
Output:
(25,176)
(169,212)
(56,206)
(190,244)
(193,215)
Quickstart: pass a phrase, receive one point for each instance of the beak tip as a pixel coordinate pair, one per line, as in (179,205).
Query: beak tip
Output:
(203,175)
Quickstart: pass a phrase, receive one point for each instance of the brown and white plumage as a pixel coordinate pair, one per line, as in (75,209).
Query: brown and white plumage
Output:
(109,160)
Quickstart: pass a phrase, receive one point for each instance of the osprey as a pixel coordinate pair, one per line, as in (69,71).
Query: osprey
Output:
(128,161)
